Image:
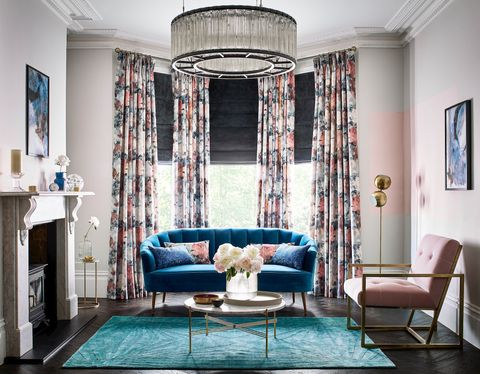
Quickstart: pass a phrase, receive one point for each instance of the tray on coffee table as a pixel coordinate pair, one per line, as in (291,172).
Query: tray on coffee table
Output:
(263,298)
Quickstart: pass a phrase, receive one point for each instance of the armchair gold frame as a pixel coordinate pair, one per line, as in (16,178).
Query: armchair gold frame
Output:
(408,327)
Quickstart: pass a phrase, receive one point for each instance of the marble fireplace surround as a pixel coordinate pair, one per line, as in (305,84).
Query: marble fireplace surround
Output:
(20,212)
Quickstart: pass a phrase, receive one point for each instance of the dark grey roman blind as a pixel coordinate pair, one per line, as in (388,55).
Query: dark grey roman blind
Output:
(234,117)
(233,121)
(164,116)
(304,107)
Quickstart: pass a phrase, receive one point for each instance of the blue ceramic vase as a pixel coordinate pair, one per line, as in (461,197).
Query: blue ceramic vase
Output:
(60,180)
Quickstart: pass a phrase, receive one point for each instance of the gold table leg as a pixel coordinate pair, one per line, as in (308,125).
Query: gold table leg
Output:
(84,282)
(189,330)
(275,325)
(206,324)
(245,327)
(83,303)
(96,281)
(266,333)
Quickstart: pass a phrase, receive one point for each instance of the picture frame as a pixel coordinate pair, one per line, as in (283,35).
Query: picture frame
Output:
(37,101)
(458,148)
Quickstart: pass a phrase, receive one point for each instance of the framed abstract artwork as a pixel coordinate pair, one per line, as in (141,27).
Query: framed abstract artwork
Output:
(37,112)
(458,146)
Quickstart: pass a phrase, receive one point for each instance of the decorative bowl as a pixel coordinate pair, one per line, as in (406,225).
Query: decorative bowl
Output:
(217,302)
(205,298)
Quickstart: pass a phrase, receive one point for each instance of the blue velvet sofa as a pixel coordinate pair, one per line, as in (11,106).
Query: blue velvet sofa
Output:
(204,278)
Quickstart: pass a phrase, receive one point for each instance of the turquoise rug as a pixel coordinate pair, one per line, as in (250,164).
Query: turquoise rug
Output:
(162,343)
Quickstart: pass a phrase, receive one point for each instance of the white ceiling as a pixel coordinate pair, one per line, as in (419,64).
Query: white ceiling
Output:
(317,20)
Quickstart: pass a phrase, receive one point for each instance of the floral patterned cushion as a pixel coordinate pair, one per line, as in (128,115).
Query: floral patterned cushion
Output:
(198,250)
(167,257)
(267,251)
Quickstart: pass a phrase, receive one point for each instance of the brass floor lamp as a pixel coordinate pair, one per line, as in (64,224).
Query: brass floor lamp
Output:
(379,199)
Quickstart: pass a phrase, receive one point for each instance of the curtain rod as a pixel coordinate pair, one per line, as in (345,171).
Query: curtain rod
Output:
(118,50)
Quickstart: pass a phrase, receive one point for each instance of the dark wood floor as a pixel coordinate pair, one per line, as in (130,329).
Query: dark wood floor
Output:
(408,362)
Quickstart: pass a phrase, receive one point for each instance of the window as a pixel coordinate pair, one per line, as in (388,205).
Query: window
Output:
(233,131)
(300,198)
(233,200)
(165,196)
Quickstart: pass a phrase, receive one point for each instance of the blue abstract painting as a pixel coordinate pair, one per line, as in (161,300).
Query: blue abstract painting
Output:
(38,92)
(457,143)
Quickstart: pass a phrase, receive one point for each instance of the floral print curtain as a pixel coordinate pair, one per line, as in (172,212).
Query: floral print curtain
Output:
(191,150)
(275,149)
(134,189)
(335,214)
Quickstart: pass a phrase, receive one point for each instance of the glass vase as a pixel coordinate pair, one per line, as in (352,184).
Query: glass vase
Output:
(85,251)
(240,287)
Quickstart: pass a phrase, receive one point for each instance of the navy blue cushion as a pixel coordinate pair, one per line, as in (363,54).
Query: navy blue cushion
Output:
(167,257)
(290,255)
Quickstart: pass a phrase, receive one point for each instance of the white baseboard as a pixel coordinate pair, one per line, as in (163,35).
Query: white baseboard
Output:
(471,322)
(102,280)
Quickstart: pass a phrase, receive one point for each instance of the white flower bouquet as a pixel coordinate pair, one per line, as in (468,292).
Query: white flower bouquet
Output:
(62,161)
(233,260)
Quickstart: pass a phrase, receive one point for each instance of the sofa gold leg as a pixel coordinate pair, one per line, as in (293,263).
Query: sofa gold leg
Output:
(293,297)
(154,297)
(164,296)
(304,300)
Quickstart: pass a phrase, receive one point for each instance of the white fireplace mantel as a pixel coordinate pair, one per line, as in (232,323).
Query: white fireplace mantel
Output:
(20,212)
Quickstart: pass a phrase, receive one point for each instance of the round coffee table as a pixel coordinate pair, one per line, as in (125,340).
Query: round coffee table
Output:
(228,310)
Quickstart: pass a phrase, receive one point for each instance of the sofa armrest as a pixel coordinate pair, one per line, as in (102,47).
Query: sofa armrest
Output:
(148,261)
(310,259)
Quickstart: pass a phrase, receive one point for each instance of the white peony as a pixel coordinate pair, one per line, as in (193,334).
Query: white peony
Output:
(251,251)
(256,265)
(235,253)
(223,249)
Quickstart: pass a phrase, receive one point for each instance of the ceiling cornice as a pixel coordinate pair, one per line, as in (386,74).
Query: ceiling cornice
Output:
(72,11)
(414,16)
(360,37)
(111,39)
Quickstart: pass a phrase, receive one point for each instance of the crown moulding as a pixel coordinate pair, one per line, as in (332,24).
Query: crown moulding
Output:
(414,16)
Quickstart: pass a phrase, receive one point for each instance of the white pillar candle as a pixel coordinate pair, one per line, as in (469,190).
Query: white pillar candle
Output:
(16,161)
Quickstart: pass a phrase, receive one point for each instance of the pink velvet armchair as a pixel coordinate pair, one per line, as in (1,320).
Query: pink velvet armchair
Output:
(424,287)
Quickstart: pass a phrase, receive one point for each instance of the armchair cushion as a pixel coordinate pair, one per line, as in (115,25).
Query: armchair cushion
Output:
(435,255)
(389,292)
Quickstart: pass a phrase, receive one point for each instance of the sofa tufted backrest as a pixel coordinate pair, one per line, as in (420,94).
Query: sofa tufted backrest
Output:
(239,237)
(435,255)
